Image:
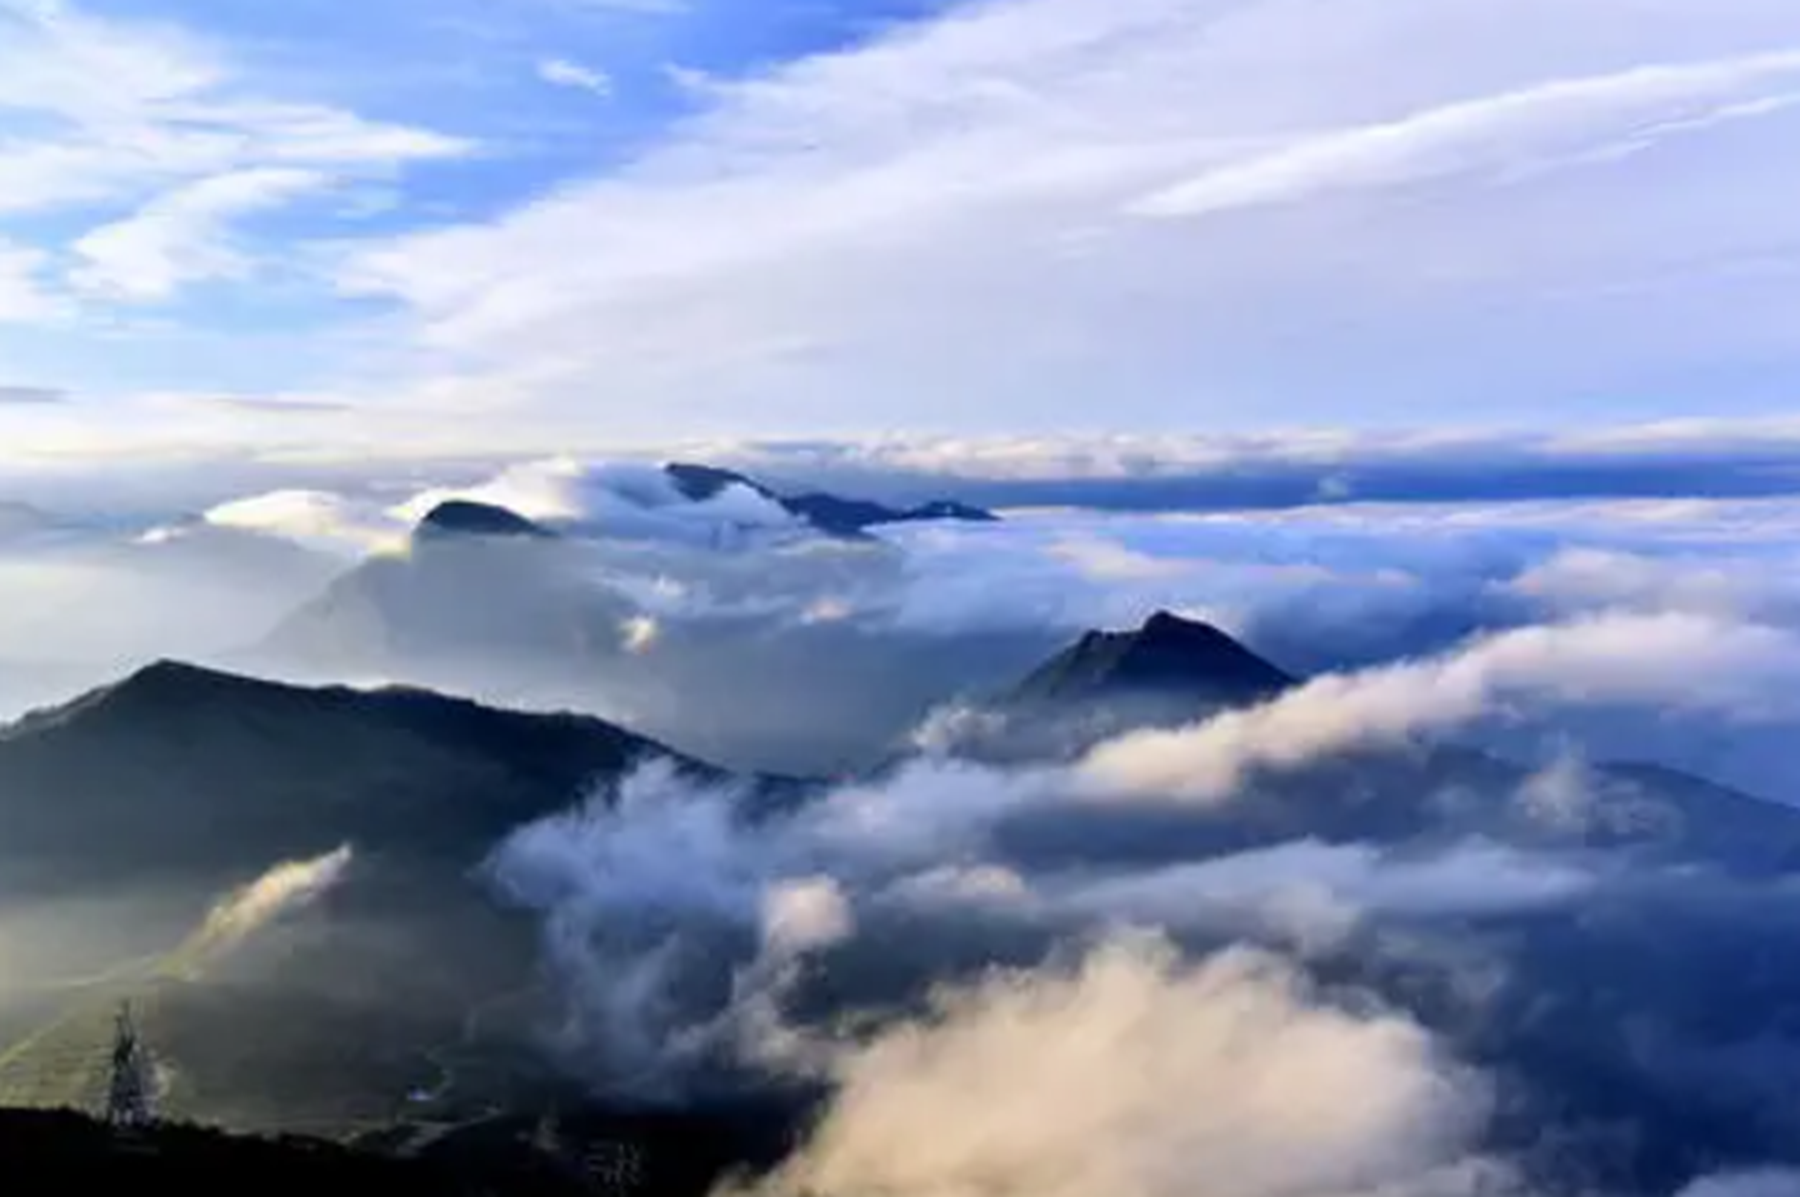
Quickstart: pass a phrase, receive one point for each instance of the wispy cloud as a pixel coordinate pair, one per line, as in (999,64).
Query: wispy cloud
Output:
(562,72)
(184,236)
(949,212)
(1502,134)
(159,158)
(1391,210)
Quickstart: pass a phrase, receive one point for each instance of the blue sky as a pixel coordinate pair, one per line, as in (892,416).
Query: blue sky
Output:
(556,224)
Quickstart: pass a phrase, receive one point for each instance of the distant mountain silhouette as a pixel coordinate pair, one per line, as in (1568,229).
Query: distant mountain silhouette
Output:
(831,514)
(476,581)
(1169,658)
(459,517)
(183,771)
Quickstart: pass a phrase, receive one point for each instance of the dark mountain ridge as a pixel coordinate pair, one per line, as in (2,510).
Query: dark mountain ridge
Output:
(167,790)
(831,514)
(179,768)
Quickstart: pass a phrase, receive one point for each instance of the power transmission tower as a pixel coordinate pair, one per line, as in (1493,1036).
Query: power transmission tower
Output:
(128,1094)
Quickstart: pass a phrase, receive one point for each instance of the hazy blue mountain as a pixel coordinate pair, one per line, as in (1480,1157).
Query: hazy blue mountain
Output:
(475,583)
(831,514)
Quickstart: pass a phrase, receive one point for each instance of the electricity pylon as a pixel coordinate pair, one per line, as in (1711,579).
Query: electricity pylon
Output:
(128,1094)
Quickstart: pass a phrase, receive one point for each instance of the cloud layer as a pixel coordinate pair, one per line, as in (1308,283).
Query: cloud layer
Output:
(997,218)
(1136,1073)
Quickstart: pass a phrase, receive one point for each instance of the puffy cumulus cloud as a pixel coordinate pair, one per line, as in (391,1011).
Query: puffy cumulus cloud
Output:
(1134,1071)
(279,893)
(1672,662)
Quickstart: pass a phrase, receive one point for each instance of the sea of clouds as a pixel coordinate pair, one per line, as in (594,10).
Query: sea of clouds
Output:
(1086,976)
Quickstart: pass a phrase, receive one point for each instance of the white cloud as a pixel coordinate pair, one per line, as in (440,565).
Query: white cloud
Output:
(279,893)
(1137,1073)
(1468,879)
(183,237)
(163,137)
(639,634)
(621,499)
(174,109)
(312,517)
(942,213)
(563,72)
(1673,662)
(1511,132)
(805,916)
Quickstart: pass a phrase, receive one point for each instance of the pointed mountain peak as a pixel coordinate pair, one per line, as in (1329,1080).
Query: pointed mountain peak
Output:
(169,683)
(1166,629)
(1168,657)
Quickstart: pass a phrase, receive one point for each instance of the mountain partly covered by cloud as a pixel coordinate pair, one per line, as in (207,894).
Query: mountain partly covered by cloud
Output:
(1469,808)
(1184,661)
(828,513)
(1356,762)
(286,875)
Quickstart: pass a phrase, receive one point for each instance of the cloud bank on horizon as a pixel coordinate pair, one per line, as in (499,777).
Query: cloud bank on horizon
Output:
(473,227)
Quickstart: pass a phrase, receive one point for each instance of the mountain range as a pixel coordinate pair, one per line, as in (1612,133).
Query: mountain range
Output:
(831,514)
(482,600)
(409,1006)
(179,770)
